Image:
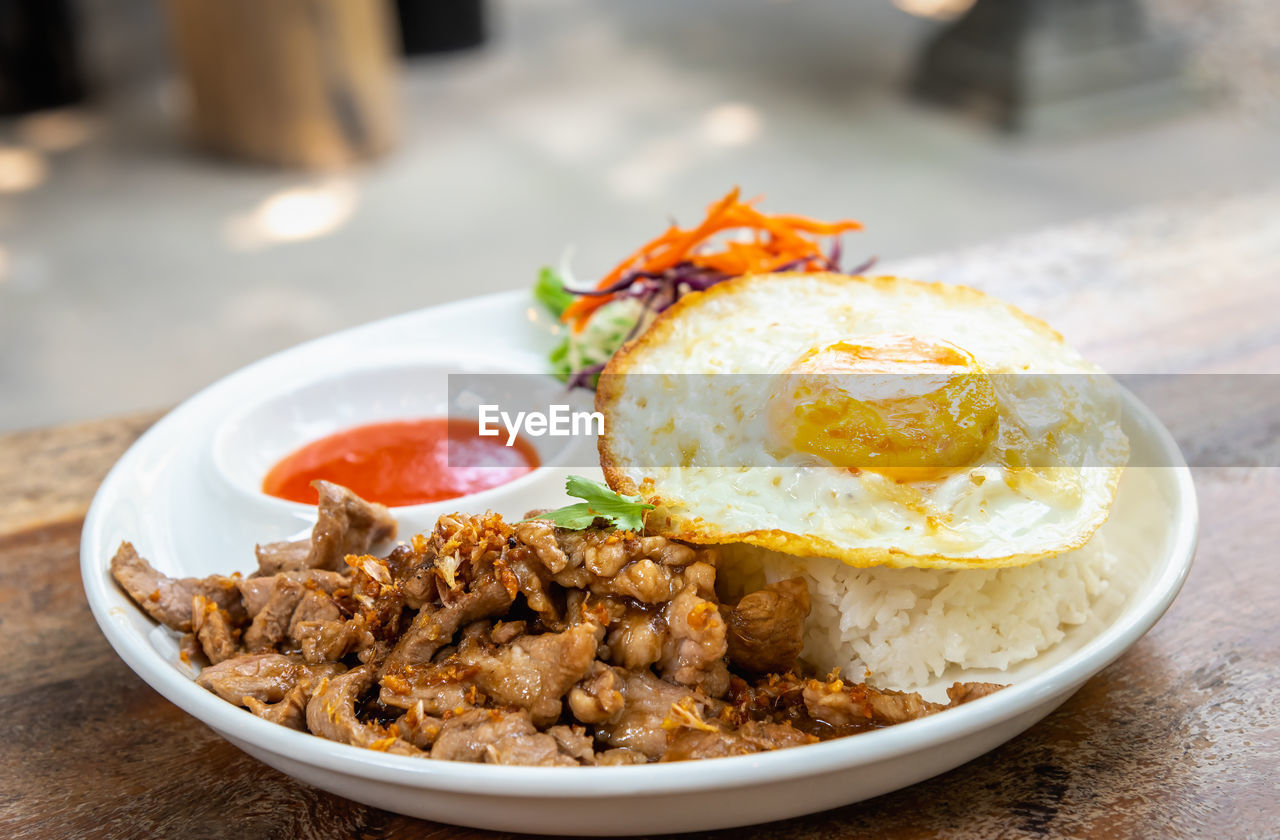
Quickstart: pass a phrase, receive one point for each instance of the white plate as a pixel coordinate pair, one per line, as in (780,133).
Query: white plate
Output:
(184,496)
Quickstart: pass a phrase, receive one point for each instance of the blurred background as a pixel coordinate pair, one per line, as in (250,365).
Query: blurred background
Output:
(188,185)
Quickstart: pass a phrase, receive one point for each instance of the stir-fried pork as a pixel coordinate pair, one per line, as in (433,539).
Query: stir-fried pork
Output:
(651,709)
(271,623)
(256,591)
(331,714)
(717,742)
(495,736)
(838,704)
(533,672)
(346,524)
(503,643)
(168,600)
(264,677)
(693,651)
(212,626)
(766,627)
(330,641)
(961,692)
(314,607)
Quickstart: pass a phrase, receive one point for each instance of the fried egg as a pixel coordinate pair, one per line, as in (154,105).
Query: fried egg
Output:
(881,421)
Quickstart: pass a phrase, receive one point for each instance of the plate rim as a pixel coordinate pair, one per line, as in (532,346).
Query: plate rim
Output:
(819,759)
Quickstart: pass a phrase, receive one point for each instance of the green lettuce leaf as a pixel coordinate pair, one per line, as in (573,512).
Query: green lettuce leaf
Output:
(550,291)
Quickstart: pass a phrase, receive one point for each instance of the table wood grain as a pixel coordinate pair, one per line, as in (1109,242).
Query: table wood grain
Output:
(1178,738)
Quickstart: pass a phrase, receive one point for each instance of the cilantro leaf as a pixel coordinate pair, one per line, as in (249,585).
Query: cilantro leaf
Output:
(550,291)
(623,512)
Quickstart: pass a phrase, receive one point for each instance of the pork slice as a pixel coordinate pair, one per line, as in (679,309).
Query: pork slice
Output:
(768,735)
(671,553)
(168,600)
(650,581)
(645,580)
(414,575)
(696,642)
(574,742)
(606,552)
(636,638)
(271,623)
(691,744)
(315,606)
(604,558)
(859,704)
(436,688)
(331,714)
(212,629)
(966,692)
(417,727)
(536,749)
(532,672)
(495,736)
(419,585)
(257,590)
(345,524)
(329,641)
(291,711)
(713,742)
(598,697)
(432,629)
(620,756)
(265,677)
(702,577)
(506,631)
(541,594)
(287,555)
(540,535)
(648,703)
(890,707)
(535,672)
(766,627)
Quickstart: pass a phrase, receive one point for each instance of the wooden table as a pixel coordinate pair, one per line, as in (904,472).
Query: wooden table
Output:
(1179,738)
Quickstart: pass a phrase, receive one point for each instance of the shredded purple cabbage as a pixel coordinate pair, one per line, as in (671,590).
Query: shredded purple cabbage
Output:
(658,291)
(585,377)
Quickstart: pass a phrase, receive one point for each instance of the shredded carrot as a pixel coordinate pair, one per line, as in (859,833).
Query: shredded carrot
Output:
(765,243)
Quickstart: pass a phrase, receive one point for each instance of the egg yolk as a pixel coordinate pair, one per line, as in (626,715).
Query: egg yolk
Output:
(909,408)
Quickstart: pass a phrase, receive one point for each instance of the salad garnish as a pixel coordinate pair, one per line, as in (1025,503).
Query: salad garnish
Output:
(734,239)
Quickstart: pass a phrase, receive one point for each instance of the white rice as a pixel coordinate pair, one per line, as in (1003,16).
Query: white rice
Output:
(907,626)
